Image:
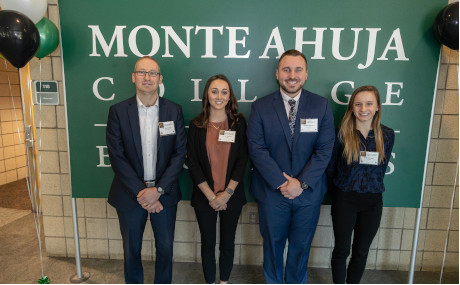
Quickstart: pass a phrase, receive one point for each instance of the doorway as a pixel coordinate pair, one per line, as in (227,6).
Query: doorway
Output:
(15,200)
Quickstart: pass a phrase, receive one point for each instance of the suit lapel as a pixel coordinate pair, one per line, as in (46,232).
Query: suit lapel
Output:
(278,105)
(133,116)
(161,118)
(304,102)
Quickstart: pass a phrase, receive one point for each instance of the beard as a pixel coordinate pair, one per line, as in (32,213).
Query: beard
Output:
(287,91)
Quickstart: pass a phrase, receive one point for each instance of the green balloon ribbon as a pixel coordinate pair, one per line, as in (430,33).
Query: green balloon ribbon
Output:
(44,280)
(49,37)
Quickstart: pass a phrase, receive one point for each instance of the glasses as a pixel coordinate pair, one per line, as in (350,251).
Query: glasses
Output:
(142,73)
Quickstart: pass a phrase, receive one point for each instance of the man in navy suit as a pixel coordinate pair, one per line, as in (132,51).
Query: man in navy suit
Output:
(147,145)
(290,138)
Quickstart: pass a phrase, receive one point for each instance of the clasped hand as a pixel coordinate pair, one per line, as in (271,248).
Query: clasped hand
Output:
(148,199)
(219,203)
(291,188)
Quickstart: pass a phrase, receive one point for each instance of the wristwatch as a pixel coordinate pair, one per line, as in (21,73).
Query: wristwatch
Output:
(160,190)
(230,191)
(303,185)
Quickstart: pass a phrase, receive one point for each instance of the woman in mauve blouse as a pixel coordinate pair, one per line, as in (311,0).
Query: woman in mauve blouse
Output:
(359,160)
(217,156)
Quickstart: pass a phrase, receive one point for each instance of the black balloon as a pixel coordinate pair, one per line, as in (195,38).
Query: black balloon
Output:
(445,26)
(19,38)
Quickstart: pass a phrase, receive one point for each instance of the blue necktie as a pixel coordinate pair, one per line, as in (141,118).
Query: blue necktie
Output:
(292,115)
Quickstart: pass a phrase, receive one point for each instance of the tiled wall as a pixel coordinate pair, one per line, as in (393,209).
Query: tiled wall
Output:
(98,225)
(13,160)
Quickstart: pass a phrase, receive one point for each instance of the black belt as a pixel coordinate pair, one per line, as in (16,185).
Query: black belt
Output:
(149,183)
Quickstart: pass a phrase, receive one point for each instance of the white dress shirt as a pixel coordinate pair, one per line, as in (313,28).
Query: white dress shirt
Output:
(148,122)
(286,99)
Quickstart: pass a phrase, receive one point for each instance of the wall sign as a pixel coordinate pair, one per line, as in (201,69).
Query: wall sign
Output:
(388,44)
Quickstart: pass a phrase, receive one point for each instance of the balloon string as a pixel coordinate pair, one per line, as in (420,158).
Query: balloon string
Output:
(448,226)
(32,186)
(451,202)
(40,145)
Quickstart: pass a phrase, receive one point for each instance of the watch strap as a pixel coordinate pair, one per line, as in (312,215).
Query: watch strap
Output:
(303,185)
(230,191)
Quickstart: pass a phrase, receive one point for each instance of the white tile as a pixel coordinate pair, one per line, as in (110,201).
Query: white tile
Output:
(387,260)
(390,239)
(184,252)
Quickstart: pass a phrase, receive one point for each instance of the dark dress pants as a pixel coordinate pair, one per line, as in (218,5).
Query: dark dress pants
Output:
(132,225)
(207,221)
(360,214)
(293,221)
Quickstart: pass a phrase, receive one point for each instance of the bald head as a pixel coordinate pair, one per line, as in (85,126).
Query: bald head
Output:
(146,58)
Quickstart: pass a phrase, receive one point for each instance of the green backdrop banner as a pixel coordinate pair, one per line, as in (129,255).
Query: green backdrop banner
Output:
(388,44)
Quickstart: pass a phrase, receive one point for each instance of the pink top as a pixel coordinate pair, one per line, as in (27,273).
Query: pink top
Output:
(218,153)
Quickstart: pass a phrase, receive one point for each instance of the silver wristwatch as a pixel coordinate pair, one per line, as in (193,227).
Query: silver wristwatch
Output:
(160,190)
(303,185)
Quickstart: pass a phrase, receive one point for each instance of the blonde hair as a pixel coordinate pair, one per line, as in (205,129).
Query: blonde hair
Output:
(350,137)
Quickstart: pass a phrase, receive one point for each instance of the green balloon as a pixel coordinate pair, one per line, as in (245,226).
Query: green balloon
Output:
(49,37)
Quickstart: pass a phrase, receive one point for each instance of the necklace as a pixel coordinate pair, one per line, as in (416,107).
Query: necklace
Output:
(218,127)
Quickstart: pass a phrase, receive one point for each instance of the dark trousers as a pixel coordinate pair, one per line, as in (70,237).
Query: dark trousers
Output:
(207,221)
(132,225)
(295,222)
(360,214)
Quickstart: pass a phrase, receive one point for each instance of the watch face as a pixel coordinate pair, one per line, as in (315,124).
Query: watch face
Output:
(304,185)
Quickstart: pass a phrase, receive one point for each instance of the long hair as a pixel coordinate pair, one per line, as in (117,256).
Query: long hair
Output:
(348,134)
(231,108)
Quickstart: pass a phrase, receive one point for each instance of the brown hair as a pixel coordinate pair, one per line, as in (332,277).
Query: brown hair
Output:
(292,52)
(231,108)
(348,135)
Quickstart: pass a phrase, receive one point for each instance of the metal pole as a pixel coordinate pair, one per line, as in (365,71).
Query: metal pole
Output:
(415,242)
(80,276)
(419,210)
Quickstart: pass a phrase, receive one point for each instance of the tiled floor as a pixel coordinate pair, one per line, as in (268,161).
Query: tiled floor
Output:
(20,263)
(20,258)
(8,215)
(15,195)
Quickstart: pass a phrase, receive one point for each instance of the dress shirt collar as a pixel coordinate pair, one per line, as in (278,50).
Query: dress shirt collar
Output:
(140,105)
(286,97)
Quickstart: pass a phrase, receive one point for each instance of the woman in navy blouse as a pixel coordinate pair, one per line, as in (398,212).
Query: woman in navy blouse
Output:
(360,158)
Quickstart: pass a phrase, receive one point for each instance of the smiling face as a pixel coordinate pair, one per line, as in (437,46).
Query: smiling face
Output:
(218,94)
(291,74)
(364,107)
(147,85)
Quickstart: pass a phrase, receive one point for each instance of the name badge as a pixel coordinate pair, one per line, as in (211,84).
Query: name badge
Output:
(308,125)
(166,128)
(369,157)
(227,136)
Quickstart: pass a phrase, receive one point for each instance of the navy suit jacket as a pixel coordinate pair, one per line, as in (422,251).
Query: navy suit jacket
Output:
(272,153)
(125,151)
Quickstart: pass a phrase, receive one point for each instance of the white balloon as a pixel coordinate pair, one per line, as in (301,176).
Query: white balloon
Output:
(34,9)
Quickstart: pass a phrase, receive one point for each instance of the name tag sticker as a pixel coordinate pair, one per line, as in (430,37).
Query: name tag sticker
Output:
(308,125)
(369,157)
(227,136)
(166,128)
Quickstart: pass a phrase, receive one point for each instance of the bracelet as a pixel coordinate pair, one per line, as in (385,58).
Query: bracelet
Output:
(213,198)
